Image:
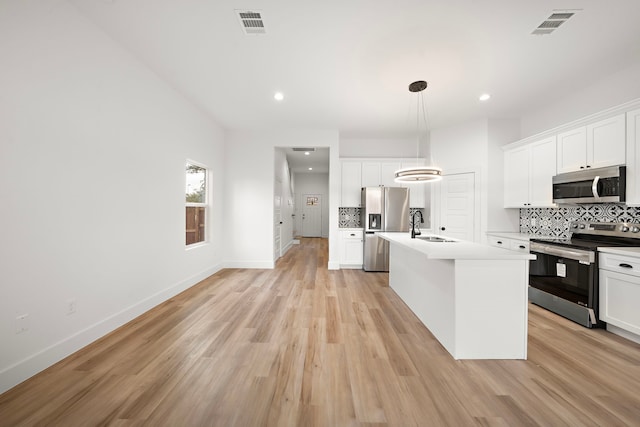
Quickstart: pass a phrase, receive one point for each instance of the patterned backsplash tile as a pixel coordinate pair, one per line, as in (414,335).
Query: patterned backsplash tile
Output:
(350,217)
(555,221)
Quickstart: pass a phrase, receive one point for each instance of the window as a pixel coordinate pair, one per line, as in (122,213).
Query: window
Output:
(196,203)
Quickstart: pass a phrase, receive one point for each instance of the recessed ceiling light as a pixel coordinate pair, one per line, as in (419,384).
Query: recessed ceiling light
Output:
(310,169)
(306,153)
(279,96)
(484,97)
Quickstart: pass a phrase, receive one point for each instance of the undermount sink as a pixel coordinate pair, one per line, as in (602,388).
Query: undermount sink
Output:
(434,239)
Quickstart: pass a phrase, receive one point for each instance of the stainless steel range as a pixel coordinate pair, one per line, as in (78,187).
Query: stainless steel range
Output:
(564,277)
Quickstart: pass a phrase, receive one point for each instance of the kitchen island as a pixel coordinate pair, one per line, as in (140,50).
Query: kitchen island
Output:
(472,297)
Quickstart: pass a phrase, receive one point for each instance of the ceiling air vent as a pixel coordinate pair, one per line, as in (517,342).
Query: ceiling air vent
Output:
(303,149)
(557,18)
(252,22)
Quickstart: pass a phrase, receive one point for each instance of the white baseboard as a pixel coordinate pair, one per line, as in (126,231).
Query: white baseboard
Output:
(623,333)
(333,265)
(30,366)
(250,264)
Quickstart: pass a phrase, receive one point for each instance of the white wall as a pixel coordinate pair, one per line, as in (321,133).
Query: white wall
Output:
(92,183)
(249,202)
(379,147)
(312,183)
(616,89)
(474,147)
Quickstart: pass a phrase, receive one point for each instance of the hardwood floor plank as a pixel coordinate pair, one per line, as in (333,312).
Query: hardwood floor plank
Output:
(303,346)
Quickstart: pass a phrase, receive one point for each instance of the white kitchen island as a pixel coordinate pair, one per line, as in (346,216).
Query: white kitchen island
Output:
(472,297)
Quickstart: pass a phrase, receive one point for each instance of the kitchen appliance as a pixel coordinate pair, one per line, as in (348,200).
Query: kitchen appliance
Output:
(383,209)
(564,276)
(600,185)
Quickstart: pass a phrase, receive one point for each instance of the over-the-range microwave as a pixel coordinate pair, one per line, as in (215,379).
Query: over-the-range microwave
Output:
(600,185)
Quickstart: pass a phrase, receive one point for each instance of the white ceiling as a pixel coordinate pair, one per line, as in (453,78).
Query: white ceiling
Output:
(346,64)
(317,159)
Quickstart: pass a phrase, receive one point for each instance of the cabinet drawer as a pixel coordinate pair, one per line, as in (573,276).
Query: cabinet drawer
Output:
(519,245)
(499,242)
(352,234)
(620,263)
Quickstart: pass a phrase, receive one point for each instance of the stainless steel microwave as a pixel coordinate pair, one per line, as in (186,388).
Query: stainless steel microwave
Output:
(601,185)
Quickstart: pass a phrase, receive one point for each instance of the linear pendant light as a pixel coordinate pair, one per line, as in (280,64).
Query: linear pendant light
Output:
(417,173)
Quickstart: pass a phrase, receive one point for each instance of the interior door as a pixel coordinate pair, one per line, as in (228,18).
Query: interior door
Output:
(277,227)
(311,215)
(458,206)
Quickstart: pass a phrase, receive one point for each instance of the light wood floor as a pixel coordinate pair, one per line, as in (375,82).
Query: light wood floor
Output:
(302,346)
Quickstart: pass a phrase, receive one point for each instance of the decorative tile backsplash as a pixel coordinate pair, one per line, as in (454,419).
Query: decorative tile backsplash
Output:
(350,217)
(555,221)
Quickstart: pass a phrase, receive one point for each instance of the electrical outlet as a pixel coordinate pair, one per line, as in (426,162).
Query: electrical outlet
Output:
(22,323)
(72,306)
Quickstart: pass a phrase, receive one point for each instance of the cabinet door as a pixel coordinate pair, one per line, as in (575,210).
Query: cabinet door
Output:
(572,150)
(352,248)
(370,174)
(542,168)
(619,300)
(388,174)
(351,184)
(633,158)
(516,177)
(606,142)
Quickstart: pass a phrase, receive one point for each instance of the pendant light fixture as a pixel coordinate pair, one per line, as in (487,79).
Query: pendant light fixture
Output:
(419,173)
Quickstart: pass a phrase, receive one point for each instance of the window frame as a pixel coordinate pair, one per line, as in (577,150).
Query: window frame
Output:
(205,204)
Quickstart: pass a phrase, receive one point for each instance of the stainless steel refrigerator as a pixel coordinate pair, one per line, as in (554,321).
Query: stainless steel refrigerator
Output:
(383,209)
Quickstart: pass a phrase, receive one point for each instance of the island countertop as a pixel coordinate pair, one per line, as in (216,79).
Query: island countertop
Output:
(458,249)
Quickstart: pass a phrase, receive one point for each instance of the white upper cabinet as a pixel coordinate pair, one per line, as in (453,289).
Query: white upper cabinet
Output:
(596,145)
(370,174)
(572,150)
(633,158)
(351,184)
(606,142)
(388,173)
(516,177)
(528,171)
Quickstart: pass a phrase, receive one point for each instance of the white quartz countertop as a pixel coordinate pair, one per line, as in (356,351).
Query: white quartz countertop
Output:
(459,249)
(634,252)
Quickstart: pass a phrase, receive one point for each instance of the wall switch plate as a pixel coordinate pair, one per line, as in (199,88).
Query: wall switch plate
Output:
(72,306)
(22,323)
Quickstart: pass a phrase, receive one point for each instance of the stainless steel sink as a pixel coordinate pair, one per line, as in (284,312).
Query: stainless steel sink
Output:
(434,239)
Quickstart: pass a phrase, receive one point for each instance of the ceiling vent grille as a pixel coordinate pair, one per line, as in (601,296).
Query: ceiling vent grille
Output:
(303,149)
(554,21)
(251,22)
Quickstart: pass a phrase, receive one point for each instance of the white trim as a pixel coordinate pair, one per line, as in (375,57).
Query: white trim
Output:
(333,265)
(250,264)
(601,115)
(30,366)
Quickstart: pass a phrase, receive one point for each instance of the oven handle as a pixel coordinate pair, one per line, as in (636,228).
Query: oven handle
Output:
(594,187)
(585,256)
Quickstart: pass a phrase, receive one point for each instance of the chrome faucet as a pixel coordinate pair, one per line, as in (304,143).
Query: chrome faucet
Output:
(415,233)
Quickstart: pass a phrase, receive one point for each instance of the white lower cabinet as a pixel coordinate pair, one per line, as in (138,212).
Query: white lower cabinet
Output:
(351,248)
(620,291)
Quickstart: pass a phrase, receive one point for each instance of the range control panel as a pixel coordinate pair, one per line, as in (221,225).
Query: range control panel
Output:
(618,229)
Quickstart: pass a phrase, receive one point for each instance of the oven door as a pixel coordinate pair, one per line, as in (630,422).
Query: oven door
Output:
(567,273)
